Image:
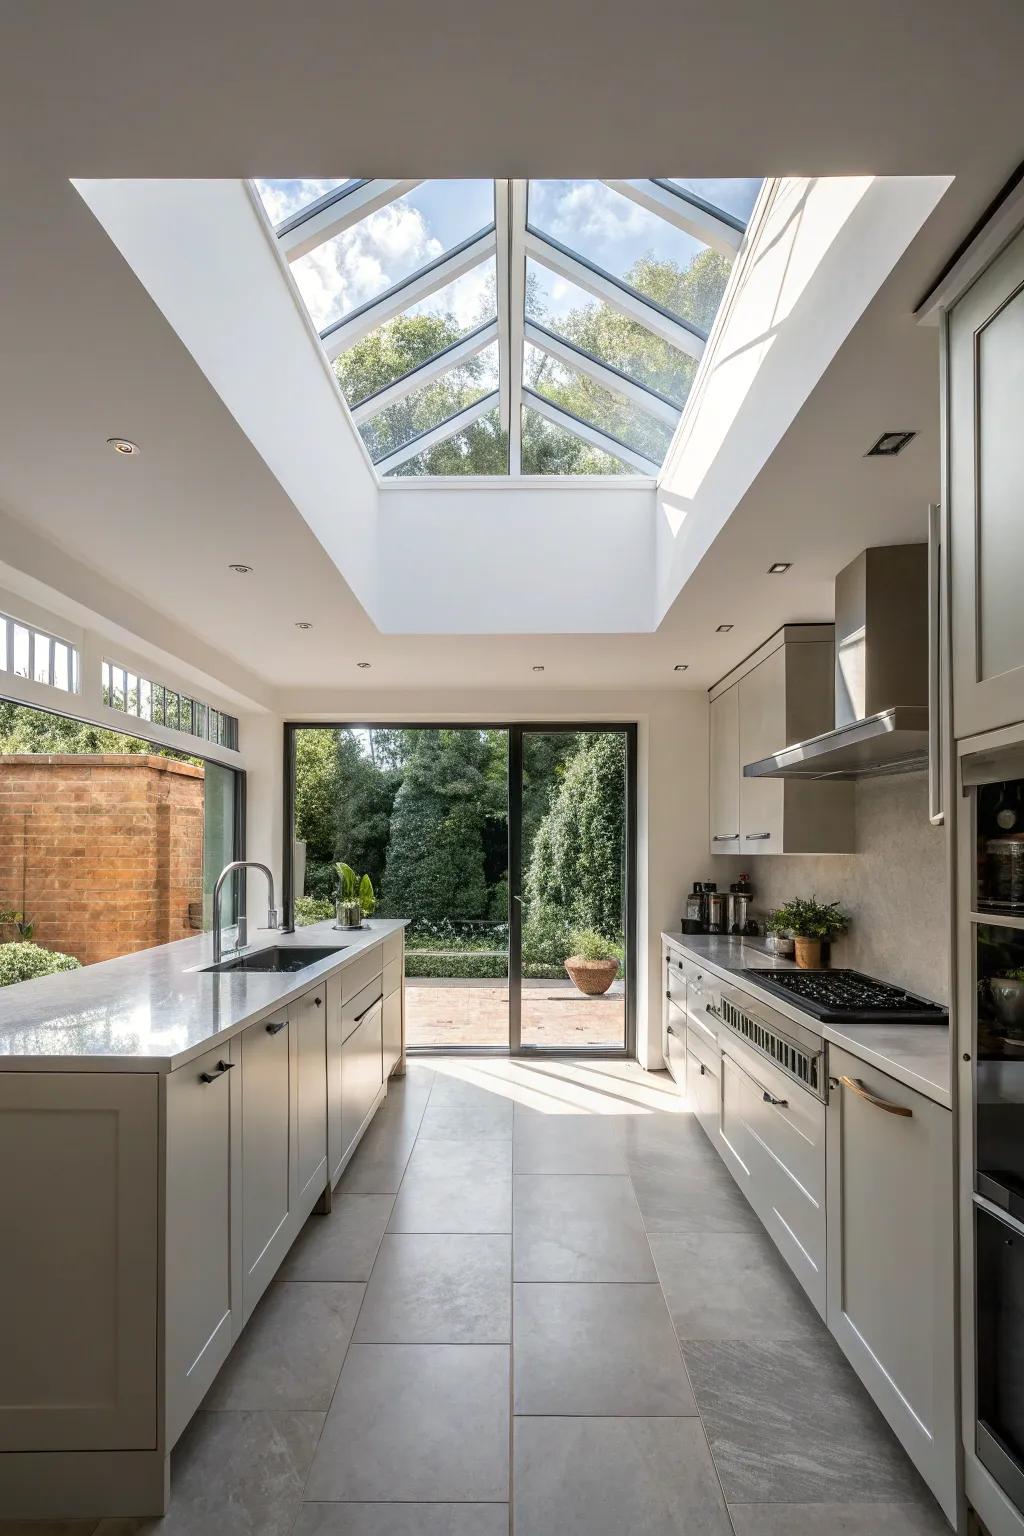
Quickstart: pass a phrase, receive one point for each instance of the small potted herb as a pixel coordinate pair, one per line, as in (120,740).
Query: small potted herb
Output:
(355,898)
(780,940)
(811,922)
(593,964)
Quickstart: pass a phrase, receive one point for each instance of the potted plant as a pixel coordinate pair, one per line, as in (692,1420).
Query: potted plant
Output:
(348,907)
(811,922)
(593,965)
(780,940)
(1006,990)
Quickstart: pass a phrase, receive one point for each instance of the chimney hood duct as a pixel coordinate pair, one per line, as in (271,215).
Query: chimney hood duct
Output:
(881,674)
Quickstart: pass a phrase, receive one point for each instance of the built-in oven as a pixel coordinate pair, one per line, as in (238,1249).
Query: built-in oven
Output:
(999,1344)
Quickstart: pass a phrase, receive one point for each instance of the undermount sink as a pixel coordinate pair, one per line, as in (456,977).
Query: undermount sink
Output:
(277,958)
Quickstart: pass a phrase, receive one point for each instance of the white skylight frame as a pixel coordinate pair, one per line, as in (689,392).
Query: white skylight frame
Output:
(511,239)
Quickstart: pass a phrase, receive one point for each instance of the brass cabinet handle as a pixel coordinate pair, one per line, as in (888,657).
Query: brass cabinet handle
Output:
(856,1086)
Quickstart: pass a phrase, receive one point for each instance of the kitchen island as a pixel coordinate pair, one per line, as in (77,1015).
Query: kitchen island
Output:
(840,1137)
(166,1131)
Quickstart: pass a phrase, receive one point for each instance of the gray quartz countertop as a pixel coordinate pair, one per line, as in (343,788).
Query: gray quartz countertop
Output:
(914,1054)
(154,1010)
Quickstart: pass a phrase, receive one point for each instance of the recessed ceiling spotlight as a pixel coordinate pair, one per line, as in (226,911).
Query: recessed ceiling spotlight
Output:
(363,664)
(123,446)
(723,629)
(538,669)
(889,444)
(780,567)
(303,624)
(681,666)
(241,570)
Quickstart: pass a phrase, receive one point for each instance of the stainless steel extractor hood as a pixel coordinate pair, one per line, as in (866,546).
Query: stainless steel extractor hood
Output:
(881,674)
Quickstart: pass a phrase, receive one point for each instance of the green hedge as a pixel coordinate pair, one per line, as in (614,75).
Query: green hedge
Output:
(23,962)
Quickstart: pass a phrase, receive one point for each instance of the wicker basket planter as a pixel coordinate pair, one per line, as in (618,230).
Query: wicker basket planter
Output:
(808,953)
(591,976)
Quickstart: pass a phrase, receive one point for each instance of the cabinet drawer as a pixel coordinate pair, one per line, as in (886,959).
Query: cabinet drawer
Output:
(392,948)
(353,1011)
(362,1073)
(361,971)
(392,977)
(675,1057)
(391,1031)
(267,1153)
(704,1049)
(702,1090)
(675,979)
(788,1119)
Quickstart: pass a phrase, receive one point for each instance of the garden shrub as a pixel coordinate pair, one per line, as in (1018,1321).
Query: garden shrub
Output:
(312,909)
(23,962)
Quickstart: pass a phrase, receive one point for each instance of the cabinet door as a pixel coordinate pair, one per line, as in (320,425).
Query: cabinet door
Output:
(79,1198)
(391,1029)
(267,1153)
(890,1257)
(986,471)
(335,1147)
(203,1307)
(362,1073)
(762,730)
(724,786)
(308,1020)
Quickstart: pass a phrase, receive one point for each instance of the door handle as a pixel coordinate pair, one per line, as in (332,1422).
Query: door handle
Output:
(856,1086)
(212,1077)
(276,1027)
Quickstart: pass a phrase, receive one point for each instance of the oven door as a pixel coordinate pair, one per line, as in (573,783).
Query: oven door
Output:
(999,1292)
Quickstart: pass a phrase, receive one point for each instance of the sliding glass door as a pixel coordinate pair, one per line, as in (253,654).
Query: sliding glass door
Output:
(508,848)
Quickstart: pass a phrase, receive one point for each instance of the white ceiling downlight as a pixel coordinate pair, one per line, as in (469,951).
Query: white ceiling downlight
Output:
(889,445)
(303,624)
(123,446)
(780,567)
(240,569)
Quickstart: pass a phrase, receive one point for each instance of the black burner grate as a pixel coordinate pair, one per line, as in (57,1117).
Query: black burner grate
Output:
(848,997)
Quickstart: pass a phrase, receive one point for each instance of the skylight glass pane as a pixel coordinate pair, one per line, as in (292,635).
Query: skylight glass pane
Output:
(391,244)
(419,334)
(650,254)
(482,449)
(588,400)
(431,404)
(550,450)
(20,650)
(285,198)
(736,196)
(61,666)
(611,337)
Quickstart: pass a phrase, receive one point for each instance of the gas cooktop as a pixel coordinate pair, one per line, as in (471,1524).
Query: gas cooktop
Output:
(848,997)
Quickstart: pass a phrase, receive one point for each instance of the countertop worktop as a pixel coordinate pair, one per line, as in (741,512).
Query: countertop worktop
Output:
(914,1054)
(154,1010)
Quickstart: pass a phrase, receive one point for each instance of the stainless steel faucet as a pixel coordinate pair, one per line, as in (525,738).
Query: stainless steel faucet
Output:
(242,934)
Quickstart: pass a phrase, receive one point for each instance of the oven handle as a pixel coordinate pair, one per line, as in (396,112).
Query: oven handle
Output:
(856,1086)
(767,1096)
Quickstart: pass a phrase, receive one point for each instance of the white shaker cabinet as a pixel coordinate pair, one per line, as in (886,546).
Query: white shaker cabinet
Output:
(890,1257)
(362,1066)
(724,787)
(308,1019)
(268,1152)
(986,471)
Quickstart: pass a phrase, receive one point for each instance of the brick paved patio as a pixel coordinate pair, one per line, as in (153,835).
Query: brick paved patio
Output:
(439,1013)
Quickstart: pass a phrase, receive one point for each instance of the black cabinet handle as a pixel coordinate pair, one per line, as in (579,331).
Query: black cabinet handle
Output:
(361,1016)
(211,1077)
(769,1098)
(276,1027)
(703,1069)
(317,1002)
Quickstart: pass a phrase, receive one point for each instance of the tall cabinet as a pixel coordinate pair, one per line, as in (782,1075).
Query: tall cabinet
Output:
(981,313)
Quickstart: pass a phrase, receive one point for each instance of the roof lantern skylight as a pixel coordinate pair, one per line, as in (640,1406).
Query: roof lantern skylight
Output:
(512,327)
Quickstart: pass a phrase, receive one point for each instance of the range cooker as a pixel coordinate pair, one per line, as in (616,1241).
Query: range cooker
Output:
(848,997)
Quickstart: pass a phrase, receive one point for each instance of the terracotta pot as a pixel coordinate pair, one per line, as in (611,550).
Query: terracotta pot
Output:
(591,976)
(808,953)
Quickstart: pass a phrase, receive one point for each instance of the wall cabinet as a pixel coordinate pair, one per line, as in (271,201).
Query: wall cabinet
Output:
(890,1257)
(782,694)
(986,470)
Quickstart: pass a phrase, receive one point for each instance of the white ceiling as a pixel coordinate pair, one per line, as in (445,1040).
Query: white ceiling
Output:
(394,88)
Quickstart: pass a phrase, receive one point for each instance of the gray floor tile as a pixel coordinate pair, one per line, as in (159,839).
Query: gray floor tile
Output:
(687,1198)
(789,1423)
(730,1285)
(402,1520)
(464,1122)
(924,1519)
(578,1227)
(569,1144)
(603,1477)
(668,1144)
(481,1157)
(465,1202)
(343,1244)
(597,1350)
(234,1474)
(291,1350)
(451,1091)
(429,1289)
(417,1422)
(377,1174)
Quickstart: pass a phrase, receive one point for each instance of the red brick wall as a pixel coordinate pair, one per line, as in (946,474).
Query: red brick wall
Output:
(103,853)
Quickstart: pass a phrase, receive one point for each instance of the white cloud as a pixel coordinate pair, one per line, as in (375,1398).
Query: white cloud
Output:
(363,261)
(283,198)
(586,211)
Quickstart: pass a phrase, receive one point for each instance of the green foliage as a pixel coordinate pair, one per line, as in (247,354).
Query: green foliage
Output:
(321,879)
(1017,974)
(348,882)
(19,921)
(435,862)
(585,944)
(367,774)
(312,909)
(367,897)
(809,919)
(24,729)
(577,860)
(23,962)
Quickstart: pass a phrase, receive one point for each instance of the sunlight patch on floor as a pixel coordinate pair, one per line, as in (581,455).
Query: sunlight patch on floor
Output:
(559,1087)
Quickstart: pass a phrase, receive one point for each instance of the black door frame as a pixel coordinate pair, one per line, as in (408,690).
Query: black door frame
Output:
(516,731)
